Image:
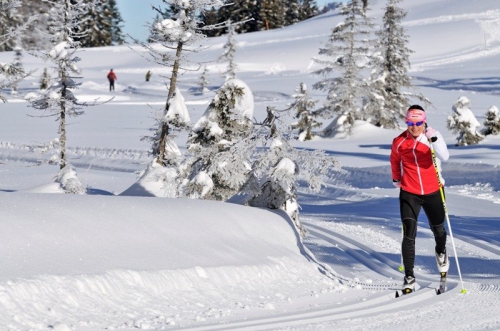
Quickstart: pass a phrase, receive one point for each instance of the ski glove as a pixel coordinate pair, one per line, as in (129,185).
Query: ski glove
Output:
(430,133)
(396,183)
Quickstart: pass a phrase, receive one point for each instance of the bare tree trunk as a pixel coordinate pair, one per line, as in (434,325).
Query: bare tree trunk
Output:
(62,130)
(171,91)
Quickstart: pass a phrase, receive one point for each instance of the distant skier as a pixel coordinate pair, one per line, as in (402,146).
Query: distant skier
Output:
(414,174)
(112,77)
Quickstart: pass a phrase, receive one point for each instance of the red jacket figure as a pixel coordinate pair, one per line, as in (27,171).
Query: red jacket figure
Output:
(112,78)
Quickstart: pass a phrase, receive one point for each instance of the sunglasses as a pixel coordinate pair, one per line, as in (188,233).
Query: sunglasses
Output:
(410,123)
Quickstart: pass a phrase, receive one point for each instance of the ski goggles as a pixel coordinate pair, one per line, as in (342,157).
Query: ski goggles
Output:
(410,123)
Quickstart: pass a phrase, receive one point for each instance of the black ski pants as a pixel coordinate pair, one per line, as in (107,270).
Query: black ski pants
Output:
(410,205)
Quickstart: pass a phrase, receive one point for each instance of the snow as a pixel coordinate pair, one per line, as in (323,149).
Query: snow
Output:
(118,258)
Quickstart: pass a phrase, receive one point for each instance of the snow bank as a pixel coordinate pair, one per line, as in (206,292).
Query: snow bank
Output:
(80,255)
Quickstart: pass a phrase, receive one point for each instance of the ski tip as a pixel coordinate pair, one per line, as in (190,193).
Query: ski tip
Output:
(464,291)
(438,291)
(397,294)
(401,268)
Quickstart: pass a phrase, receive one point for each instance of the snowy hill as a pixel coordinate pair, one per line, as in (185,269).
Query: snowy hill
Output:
(105,261)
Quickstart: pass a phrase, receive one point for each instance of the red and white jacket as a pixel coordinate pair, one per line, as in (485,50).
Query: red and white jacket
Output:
(411,162)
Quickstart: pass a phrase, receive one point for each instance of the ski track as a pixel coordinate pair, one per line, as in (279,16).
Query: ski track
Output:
(349,257)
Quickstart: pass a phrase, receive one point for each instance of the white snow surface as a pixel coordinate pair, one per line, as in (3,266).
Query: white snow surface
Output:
(106,261)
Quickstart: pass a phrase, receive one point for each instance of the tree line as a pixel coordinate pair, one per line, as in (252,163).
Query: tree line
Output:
(104,24)
(101,20)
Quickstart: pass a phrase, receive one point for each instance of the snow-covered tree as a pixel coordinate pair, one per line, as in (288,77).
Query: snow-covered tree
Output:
(37,35)
(45,79)
(346,54)
(492,122)
(389,97)
(10,21)
(18,65)
(203,81)
(303,106)
(181,33)
(59,98)
(10,30)
(229,51)
(274,178)
(463,122)
(217,171)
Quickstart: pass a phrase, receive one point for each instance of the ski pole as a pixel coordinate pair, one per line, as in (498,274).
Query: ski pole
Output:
(401,266)
(446,213)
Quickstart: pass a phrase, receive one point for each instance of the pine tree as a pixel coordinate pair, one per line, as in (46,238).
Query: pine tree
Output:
(308,9)
(246,12)
(97,22)
(346,52)
(463,122)
(303,107)
(203,81)
(492,122)
(18,65)
(180,33)
(387,102)
(226,121)
(10,20)
(272,14)
(10,30)
(37,35)
(230,48)
(45,79)
(117,37)
(273,181)
(59,98)
(293,12)
(279,189)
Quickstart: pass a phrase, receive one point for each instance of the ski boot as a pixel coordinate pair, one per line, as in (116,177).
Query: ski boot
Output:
(408,285)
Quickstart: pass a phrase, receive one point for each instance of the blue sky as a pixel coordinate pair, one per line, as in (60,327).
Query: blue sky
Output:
(136,13)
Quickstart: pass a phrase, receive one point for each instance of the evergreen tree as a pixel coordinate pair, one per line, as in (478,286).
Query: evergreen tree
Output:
(229,52)
(10,74)
(97,22)
(492,122)
(203,81)
(293,12)
(180,33)
(387,102)
(103,23)
(18,65)
(45,79)
(152,29)
(59,98)
(117,37)
(273,181)
(246,12)
(308,9)
(303,107)
(217,171)
(272,14)
(347,52)
(37,36)
(463,122)
(10,20)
